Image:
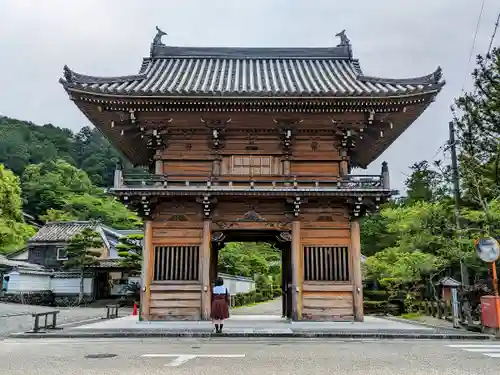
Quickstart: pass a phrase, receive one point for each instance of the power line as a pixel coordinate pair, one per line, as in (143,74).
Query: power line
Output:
(493,35)
(471,52)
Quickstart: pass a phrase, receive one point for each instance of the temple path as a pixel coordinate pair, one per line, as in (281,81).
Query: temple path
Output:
(266,308)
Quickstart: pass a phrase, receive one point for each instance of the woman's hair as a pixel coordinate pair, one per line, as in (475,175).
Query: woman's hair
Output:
(219,281)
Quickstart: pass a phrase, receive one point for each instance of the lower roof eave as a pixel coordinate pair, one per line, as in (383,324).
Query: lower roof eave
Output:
(148,96)
(255,192)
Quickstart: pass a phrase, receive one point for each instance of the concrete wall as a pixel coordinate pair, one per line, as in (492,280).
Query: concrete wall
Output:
(42,281)
(237,284)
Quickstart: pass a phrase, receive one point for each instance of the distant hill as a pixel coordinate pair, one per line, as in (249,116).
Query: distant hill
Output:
(23,143)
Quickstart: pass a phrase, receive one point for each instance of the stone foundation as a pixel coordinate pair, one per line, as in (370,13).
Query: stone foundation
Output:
(44,298)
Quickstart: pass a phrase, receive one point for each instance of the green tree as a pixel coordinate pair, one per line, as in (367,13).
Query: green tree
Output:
(425,183)
(477,116)
(83,253)
(130,250)
(13,230)
(46,186)
(56,190)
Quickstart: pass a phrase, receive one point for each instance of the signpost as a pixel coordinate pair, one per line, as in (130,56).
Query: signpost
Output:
(488,250)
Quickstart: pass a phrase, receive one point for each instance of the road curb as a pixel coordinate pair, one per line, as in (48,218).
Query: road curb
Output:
(177,334)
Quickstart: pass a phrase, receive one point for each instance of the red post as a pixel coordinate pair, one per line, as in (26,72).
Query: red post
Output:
(495,291)
(134,312)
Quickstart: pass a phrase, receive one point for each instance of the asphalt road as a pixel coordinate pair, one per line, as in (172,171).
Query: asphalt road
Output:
(237,356)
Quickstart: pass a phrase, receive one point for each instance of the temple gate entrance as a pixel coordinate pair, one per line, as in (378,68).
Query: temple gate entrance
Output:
(280,240)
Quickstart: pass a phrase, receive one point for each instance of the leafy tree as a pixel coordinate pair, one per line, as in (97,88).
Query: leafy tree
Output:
(249,258)
(425,184)
(45,186)
(130,250)
(477,116)
(56,190)
(13,230)
(83,253)
(24,143)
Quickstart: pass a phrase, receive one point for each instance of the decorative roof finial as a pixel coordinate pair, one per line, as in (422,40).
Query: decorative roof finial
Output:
(68,74)
(159,34)
(344,40)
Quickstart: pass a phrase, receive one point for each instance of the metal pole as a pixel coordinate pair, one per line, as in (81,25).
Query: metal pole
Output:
(456,193)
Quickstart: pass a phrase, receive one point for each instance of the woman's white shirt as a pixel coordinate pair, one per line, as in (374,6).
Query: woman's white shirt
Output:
(221,289)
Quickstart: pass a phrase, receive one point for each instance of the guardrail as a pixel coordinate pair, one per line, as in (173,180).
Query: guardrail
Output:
(124,180)
(46,325)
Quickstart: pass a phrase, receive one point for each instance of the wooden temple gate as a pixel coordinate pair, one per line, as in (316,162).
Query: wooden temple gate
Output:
(322,257)
(251,144)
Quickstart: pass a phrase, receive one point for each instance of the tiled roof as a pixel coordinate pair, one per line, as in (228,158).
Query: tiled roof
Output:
(4,261)
(110,263)
(60,231)
(251,72)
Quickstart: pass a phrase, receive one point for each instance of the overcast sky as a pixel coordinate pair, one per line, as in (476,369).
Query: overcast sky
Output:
(392,38)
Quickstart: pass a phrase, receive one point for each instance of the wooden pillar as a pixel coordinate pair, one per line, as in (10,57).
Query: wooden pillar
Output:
(344,164)
(297,272)
(357,276)
(206,292)
(147,269)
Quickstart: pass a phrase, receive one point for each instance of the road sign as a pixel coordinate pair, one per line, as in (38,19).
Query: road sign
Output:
(487,249)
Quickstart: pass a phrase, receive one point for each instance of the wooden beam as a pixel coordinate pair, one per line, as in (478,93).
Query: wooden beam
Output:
(147,269)
(297,272)
(357,279)
(206,292)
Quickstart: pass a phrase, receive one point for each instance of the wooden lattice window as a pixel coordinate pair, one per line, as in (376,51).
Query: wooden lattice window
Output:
(252,165)
(326,263)
(176,263)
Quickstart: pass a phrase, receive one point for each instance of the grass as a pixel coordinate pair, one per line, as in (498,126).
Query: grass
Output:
(411,316)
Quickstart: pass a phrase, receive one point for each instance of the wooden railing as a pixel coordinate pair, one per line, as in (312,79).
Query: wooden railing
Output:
(134,180)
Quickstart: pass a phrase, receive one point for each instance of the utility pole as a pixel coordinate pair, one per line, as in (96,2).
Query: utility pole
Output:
(456,193)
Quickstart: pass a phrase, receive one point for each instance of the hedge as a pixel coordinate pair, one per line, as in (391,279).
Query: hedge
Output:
(242,299)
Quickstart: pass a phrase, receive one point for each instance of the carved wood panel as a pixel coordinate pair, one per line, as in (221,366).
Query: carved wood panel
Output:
(179,263)
(326,263)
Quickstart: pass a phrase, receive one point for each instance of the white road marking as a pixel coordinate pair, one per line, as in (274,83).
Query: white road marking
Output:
(180,359)
(488,350)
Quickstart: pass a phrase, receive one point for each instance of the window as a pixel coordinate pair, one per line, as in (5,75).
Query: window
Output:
(61,254)
(252,165)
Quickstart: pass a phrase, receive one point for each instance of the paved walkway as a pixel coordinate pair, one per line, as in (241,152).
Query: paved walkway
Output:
(266,308)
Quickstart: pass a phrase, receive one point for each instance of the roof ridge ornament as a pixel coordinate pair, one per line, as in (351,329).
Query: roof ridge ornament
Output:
(344,41)
(157,39)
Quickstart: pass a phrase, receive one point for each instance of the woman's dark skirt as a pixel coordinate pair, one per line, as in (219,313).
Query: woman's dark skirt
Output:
(220,307)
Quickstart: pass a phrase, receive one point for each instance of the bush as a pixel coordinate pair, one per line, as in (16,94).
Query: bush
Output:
(381,307)
(375,295)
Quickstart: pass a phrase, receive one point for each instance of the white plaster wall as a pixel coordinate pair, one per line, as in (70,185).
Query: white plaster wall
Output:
(71,285)
(22,256)
(238,285)
(27,282)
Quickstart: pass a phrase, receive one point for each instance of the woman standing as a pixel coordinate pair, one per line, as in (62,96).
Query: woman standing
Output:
(220,304)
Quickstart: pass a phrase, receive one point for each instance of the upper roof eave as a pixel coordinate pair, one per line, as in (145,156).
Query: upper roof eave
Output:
(431,89)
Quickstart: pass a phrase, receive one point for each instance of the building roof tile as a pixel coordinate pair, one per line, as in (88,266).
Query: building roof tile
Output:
(60,231)
(251,72)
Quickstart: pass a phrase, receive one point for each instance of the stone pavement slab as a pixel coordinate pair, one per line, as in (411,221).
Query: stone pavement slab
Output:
(129,326)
